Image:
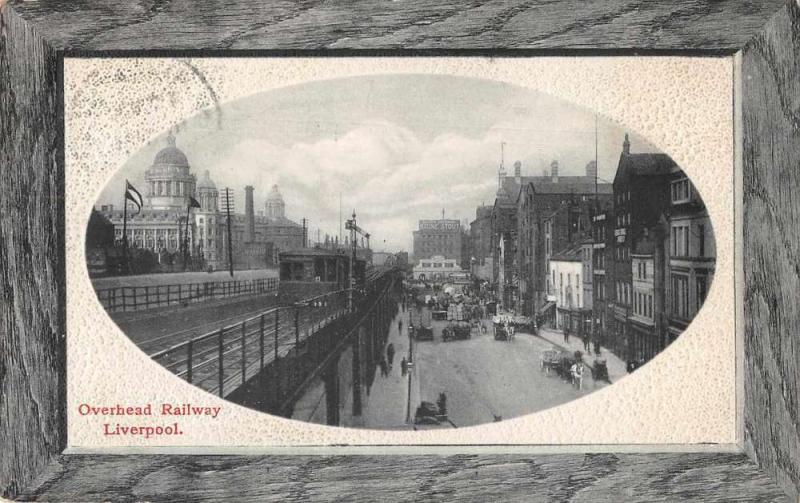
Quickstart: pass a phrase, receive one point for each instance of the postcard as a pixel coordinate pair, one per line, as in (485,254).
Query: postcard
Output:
(411,251)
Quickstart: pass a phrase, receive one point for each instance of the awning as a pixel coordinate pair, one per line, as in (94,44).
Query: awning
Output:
(546,307)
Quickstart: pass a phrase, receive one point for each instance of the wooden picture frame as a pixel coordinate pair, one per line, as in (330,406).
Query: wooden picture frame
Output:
(764,39)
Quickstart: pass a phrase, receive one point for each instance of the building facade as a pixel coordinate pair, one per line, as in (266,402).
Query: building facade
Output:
(602,274)
(553,212)
(436,268)
(691,250)
(641,196)
(567,286)
(438,238)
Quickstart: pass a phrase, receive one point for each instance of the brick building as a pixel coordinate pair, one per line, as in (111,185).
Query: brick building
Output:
(438,238)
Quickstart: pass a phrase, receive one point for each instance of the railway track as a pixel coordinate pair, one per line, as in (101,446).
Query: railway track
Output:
(245,347)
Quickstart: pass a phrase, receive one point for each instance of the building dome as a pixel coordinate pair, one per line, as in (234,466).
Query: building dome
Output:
(274,195)
(275,206)
(171,155)
(169,180)
(205,181)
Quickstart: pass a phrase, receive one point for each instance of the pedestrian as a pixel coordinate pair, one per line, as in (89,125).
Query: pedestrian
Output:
(566,335)
(390,353)
(587,343)
(400,326)
(597,347)
(577,374)
(403,366)
(384,368)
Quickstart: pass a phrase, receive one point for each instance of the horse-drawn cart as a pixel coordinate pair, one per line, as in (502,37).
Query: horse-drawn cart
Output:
(558,362)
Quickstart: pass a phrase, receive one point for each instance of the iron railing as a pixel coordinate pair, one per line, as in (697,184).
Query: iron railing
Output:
(222,360)
(133,298)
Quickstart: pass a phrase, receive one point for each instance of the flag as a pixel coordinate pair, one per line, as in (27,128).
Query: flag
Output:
(133,195)
(193,202)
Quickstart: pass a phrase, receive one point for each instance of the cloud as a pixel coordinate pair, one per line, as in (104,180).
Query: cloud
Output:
(389,176)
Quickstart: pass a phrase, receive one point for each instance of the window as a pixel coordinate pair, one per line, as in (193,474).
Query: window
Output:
(679,190)
(650,306)
(702,289)
(642,270)
(701,236)
(680,295)
(680,240)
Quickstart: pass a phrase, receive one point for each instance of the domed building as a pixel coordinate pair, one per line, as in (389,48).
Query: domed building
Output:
(276,208)
(169,180)
(161,227)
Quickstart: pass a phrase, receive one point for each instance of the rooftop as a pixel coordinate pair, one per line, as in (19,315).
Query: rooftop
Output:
(572,253)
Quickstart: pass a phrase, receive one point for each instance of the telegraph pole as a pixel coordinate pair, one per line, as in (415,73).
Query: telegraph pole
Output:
(230,244)
(354,229)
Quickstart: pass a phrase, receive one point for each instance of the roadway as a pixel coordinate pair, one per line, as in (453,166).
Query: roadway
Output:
(485,380)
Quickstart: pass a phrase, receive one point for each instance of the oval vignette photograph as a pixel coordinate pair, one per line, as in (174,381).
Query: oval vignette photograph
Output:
(400,252)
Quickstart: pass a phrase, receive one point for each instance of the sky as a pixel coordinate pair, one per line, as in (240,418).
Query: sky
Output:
(398,148)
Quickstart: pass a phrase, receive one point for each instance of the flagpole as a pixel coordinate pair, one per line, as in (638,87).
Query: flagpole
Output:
(126,265)
(186,236)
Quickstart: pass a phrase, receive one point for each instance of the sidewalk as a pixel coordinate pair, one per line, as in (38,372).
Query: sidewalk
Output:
(387,405)
(616,367)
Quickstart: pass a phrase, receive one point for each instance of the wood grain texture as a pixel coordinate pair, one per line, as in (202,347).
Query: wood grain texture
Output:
(386,24)
(771,122)
(465,478)
(32,356)
(32,349)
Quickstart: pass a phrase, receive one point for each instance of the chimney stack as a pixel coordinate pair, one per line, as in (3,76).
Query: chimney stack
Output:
(554,171)
(249,215)
(626,145)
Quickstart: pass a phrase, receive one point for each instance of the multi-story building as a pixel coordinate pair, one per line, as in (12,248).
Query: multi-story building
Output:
(553,212)
(466,248)
(565,276)
(587,275)
(602,274)
(692,254)
(641,195)
(643,335)
(438,238)
(480,231)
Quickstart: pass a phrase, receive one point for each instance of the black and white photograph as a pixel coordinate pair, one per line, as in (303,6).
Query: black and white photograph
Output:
(400,252)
